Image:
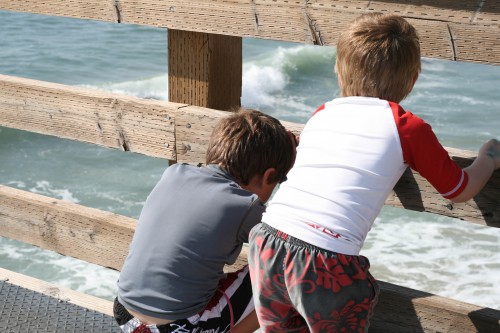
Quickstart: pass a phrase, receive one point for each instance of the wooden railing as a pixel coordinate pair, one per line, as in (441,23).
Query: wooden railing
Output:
(465,30)
(179,131)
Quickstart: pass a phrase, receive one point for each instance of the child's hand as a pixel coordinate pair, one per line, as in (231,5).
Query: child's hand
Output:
(492,150)
(487,161)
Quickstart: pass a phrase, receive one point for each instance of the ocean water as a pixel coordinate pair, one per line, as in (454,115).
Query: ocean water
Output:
(436,254)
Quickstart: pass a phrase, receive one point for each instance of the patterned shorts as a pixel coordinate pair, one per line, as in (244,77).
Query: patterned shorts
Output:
(302,288)
(232,302)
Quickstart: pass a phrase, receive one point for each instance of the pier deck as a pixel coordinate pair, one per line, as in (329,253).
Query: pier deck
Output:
(31,305)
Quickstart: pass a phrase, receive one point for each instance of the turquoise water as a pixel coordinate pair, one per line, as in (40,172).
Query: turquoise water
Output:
(422,251)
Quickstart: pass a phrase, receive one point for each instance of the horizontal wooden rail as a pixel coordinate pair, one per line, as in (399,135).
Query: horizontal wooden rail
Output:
(401,310)
(109,120)
(414,192)
(180,132)
(81,232)
(460,30)
(103,238)
(91,116)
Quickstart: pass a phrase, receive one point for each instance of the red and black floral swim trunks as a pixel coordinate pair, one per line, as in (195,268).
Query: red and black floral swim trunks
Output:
(299,287)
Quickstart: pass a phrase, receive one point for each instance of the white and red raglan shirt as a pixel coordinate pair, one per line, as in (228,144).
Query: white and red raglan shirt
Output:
(351,154)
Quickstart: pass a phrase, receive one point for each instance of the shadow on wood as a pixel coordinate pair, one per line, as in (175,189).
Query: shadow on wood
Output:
(486,199)
(401,310)
(408,192)
(484,320)
(487,6)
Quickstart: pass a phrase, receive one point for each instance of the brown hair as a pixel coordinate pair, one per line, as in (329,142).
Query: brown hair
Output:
(247,143)
(378,56)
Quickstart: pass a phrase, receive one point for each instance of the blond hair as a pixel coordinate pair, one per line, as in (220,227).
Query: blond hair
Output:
(378,56)
(247,143)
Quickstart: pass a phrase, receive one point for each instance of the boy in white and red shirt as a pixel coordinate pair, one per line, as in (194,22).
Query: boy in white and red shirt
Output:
(307,274)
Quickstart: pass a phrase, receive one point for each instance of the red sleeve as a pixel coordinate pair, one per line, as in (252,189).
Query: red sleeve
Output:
(319,109)
(424,154)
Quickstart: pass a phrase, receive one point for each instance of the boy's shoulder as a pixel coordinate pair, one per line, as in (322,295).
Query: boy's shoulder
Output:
(407,120)
(179,168)
(210,171)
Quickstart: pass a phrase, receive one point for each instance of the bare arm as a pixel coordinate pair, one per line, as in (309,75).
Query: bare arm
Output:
(247,325)
(480,171)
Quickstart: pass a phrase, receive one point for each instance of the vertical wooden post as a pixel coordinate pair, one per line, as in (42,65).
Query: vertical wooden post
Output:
(204,69)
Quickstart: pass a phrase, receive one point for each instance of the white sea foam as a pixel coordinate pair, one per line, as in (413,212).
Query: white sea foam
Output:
(17,183)
(115,203)
(154,87)
(440,255)
(45,188)
(290,82)
(263,84)
(263,87)
(266,79)
(260,82)
(57,269)
(84,277)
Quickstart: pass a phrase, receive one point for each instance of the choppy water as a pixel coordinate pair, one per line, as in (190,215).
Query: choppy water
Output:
(422,251)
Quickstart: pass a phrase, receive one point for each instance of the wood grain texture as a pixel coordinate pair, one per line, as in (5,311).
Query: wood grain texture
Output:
(205,69)
(180,132)
(461,30)
(413,192)
(81,232)
(401,310)
(86,115)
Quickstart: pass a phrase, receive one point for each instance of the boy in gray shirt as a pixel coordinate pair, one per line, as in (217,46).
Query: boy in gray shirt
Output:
(195,222)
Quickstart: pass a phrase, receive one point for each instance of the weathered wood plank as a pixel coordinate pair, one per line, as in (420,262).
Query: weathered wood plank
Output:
(415,193)
(85,233)
(61,293)
(180,132)
(460,30)
(205,69)
(109,120)
(193,128)
(402,309)
(101,10)
(103,238)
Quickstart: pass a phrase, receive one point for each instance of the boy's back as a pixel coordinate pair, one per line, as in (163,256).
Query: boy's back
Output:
(348,161)
(193,223)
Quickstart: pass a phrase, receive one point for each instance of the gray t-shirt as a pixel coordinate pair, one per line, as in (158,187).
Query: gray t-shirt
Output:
(193,223)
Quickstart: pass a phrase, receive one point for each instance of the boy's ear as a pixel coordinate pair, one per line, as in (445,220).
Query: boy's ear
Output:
(262,185)
(268,175)
(339,79)
(415,78)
